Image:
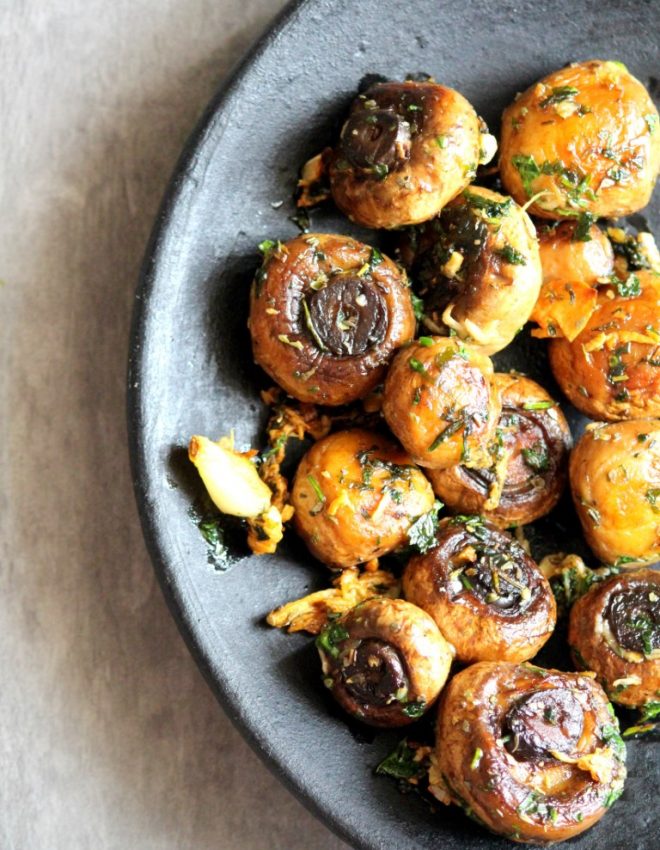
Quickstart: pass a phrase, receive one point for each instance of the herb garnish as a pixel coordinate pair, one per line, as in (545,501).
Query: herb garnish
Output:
(584,222)
(492,210)
(538,405)
(421,533)
(401,764)
(628,288)
(559,93)
(509,253)
(332,635)
(536,457)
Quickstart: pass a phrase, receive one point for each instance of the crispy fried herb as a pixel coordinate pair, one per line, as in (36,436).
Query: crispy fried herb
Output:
(330,638)
(421,534)
(512,256)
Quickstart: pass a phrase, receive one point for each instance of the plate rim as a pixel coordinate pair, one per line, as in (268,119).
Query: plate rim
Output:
(140,475)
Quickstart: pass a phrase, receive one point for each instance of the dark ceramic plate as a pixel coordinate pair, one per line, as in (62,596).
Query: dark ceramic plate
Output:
(191,369)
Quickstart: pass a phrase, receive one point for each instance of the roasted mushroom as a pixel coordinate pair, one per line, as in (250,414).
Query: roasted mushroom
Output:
(327,313)
(615,478)
(439,403)
(611,370)
(575,251)
(528,460)
(478,267)
(614,630)
(355,495)
(404,152)
(532,754)
(486,594)
(583,139)
(385,661)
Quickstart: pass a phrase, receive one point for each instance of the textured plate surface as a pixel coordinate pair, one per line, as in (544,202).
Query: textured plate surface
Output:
(191,369)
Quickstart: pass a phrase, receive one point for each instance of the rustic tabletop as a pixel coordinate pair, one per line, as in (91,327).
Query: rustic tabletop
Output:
(109,737)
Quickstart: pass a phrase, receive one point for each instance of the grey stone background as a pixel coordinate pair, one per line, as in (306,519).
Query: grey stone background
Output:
(109,738)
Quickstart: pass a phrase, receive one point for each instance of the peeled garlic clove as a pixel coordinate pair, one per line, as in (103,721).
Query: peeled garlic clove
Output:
(232,481)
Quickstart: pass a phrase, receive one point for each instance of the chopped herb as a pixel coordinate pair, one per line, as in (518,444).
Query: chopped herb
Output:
(624,559)
(449,431)
(267,246)
(465,581)
(332,635)
(650,711)
(375,258)
(612,796)
(651,122)
(417,397)
(476,758)
(629,249)
(652,497)
(421,533)
(512,256)
(426,341)
(401,764)
(536,457)
(417,365)
(559,93)
(610,734)
(538,405)
(628,288)
(415,709)
(418,306)
(492,210)
(316,487)
(380,169)
(581,232)
(442,141)
(528,170)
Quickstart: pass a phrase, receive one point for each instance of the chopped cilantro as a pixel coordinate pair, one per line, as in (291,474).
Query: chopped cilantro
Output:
(584,222)
(628,288)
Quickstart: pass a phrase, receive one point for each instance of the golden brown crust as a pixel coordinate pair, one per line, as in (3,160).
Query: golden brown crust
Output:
(438,401)
(385,661)
(624,608)
(615,479)
(566,256)
(326,315)
(435,150)
(525,793)
(529,460)
(588,137)
(486,594)
(355,496)
(611,370)
(477,266)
